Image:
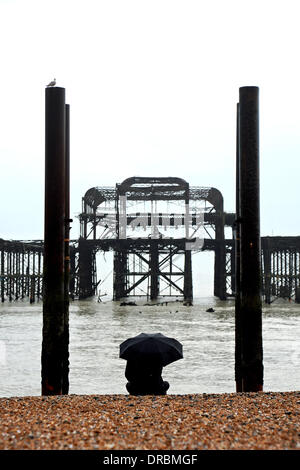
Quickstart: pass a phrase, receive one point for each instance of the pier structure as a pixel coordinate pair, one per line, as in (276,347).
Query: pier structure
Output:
(136,274)
(281,268)
(21,266)
(153,226)
(21,262)
(249,369)
(21,270)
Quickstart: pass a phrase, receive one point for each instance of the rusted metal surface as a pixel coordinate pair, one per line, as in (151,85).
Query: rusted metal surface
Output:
(250,309)
(237,246)
(99,223)
(54,243)
(65,379)
(21,270)
(280,280)
(102,218)
(21,274)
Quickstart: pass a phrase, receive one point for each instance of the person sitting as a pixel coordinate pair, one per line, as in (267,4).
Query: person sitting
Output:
(144,377)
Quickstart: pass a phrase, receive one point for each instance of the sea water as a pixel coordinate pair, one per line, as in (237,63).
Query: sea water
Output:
(98,328)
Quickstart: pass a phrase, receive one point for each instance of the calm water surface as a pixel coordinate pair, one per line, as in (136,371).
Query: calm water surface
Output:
(97,329)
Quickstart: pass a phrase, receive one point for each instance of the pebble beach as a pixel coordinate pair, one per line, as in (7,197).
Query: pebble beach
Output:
(244,421)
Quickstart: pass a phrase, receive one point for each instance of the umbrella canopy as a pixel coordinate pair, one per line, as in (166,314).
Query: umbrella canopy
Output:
(152,345)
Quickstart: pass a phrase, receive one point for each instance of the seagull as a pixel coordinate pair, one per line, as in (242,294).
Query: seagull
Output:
(53,83)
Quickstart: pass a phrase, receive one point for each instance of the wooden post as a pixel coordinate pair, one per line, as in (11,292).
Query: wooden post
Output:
(120,271)
(39,276)
(65,385)
(154,270)
(267,270)
(188,276)
(238,358)
(2,275)
(250,306)
(86,287)
(54,245)
(220,255)
(188,280)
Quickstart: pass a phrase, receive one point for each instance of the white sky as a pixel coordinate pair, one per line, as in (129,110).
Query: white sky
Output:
(153,87)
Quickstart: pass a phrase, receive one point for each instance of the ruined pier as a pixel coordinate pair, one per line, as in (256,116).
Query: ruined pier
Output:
(150,251)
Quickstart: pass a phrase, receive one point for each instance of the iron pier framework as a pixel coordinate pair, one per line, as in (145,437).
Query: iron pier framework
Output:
(153,226)
(21,270)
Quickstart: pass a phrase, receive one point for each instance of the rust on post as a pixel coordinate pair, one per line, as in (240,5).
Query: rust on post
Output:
(251,350)
(238,358)
(65,384)
(54,245)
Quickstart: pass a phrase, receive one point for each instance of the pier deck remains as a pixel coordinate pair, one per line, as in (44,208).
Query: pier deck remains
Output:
(149,224)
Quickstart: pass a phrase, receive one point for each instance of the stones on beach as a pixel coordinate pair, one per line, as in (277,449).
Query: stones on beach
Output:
(195,421)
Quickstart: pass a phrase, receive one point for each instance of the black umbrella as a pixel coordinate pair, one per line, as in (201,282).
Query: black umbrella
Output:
(152,345)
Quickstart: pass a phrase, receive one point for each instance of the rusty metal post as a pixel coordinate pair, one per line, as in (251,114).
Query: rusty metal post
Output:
(54,298)
(267,269)
(238,358)
(120,272)
(72,284)
(2,276)
(188,280)
(23,275)
(85,271)
(188,277)
(154,270)
(39,276)
(250,305)
(65,385)
(297,295)
(9,272)
(220,257)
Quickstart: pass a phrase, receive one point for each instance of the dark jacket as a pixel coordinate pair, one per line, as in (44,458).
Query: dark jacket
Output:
(144,374)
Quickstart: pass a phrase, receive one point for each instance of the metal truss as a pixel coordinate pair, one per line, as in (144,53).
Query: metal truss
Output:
(153,209)
(281,268)
(21,270)
(147,223)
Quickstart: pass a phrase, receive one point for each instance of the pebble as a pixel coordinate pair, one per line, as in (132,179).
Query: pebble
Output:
(261,421)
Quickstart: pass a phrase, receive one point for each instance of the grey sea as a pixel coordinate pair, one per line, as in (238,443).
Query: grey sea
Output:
(97,329)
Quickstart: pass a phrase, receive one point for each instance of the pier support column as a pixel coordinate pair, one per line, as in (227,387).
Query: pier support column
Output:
(2,276)
(154,270)
(188,278)
(72,286)
(86,269)
(297,295)
(232,268)
(120,270)
(237,243)
(53,298)
(220,260)
(267,271)
(250,324)
(65,385)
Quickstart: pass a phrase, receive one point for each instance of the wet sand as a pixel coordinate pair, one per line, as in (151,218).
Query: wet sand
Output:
(253,421)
